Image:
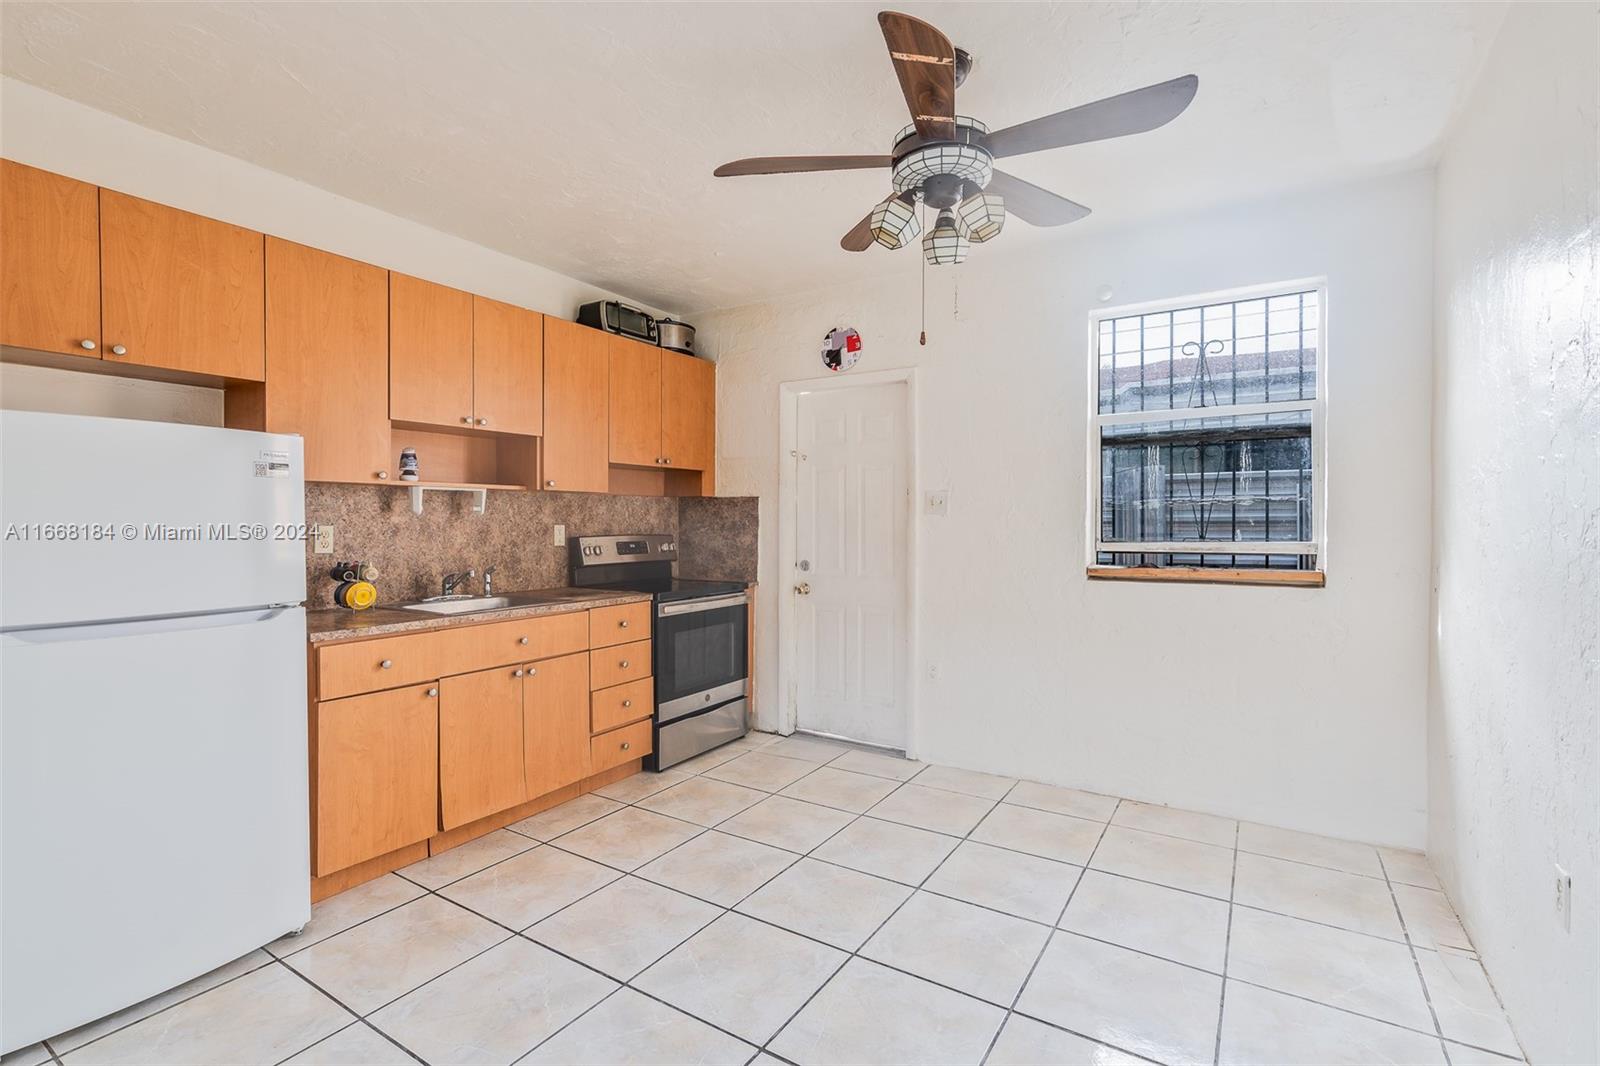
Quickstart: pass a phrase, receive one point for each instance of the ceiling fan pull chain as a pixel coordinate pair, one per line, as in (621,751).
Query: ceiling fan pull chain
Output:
(922,338)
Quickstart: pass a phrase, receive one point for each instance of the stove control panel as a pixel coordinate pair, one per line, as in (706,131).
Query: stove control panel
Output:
(640,548)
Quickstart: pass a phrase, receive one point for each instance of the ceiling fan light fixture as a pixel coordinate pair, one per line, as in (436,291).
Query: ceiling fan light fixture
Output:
(946,243)
(966,162)
(894,223)
(983,215)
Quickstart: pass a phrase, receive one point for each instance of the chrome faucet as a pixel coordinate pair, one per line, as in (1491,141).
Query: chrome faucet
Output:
(452,580)
(488,581)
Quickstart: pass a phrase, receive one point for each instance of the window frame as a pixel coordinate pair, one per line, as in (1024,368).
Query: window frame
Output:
(1317,544)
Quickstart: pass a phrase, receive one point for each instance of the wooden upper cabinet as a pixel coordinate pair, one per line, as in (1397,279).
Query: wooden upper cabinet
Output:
(328,359)
(430,352)
(688,411)
(507,367)
(480,744)
(180,292)
(635,402)
(49,262)
(555,709)
(575,408)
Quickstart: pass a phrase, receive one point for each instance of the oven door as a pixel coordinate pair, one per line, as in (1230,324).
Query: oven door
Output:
(702,653)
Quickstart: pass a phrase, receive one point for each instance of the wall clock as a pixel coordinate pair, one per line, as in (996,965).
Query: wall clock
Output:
(841,349)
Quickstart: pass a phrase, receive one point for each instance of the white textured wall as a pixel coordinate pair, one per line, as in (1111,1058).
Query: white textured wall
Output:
(1302,708)
(1515,685)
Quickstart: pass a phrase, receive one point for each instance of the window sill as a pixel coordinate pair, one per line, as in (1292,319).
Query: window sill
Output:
(1195,575)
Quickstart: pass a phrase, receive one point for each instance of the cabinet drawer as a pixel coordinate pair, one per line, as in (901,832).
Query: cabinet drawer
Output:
(618,746)
(522,640)
(619,663)
(619,625)
(620,704)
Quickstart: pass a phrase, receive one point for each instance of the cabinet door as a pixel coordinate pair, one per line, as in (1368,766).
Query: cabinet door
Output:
(555,727)
(635,402)
(430,352)
(507,367)
(49,261)
(179,291)
(575,407)
(377,774)
(480,744)
(328,359)
(688,411)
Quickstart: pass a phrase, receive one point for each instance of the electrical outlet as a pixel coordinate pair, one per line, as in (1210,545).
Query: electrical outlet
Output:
(322,541)
(1564,899)
(561,536)
(937,503)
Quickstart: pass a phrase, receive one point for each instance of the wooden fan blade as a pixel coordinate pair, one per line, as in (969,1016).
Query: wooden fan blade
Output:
(1115,116)
(1036,206)
(925,63)
(798,164)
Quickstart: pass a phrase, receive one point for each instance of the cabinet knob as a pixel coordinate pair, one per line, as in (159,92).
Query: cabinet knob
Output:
(483,421)
(623,623)
(522,640)
(516,673)
(117,349)
(386,663)
(623,664)
(433,692)
(466,420)
(87,345)
(383,475)
(626,745)
(531,671)
(627,703)
(667,461)
(549,484)
(658,460)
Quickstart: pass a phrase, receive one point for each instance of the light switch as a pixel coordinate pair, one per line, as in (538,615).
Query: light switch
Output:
(322,543)
(937,503)
(561,536)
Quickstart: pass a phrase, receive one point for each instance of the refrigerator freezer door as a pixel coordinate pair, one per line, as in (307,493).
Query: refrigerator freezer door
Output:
(111,518)
(154,812)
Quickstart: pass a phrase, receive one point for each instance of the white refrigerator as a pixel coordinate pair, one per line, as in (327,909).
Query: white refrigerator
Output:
(152,709)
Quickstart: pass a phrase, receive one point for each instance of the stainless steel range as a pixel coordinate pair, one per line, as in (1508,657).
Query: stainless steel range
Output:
(701,632)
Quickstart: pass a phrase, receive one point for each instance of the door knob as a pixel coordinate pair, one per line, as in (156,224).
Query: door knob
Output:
(803,589)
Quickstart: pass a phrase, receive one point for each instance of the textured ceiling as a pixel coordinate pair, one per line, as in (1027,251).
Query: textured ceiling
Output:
(582,136)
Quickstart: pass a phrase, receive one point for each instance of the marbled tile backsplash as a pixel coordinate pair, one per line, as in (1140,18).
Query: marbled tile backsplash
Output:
(514,535)
(717,537)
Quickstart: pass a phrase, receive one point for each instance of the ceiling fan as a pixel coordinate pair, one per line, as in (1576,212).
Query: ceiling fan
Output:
(946,160)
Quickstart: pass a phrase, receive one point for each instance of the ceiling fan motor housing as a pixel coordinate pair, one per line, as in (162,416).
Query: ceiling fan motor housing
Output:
(942,168)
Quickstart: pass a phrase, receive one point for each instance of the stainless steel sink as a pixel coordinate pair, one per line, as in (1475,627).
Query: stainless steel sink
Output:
(475,604)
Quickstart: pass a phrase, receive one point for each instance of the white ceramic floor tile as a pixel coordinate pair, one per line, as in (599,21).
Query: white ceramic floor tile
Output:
(1333,966)
(630,1029)
(703,800)
(1149,1006)
(1317,894)
(1024,885)
(350,907)
(894,767)
(528,887)
(494,1008)
(1306,847)
(1465,1003)
(717,867)
(973,950)
(1264,1028)
(829,903)
(787,823)
(354,1045)
(759,769)
(742,975)
(1409,868)
(1166,860)
(871,1014)
(1191,825)
(127,1016)
(811,749)
(263,1017)
(385,958)
(885,849)
(1430,919)
(842,789)
(971,782)
(1157,920)
(1059,800)
(1051,836)
(713,758)
(628,839)
(642,784)
(1025,1042)
(547,825)
(32,1055)
(439,870)
(625,926)
(933,809)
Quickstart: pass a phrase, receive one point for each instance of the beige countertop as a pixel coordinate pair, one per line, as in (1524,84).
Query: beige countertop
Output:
(336,623)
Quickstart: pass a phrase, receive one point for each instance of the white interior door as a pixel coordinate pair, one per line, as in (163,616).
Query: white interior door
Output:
(850,576)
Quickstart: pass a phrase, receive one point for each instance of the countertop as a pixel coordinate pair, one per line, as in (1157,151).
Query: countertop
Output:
(325,624)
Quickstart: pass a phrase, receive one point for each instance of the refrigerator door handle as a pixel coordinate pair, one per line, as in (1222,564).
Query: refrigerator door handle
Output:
(143,626)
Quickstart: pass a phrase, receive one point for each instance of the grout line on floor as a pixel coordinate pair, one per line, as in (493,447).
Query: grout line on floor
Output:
(1227,947)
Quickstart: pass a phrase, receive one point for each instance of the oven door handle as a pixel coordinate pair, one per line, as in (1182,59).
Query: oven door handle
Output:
(714,603)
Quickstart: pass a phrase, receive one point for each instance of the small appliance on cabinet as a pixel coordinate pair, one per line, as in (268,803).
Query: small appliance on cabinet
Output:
(701,640)
(618,318)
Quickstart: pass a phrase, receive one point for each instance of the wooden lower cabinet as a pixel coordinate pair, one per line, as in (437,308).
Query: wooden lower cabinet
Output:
(555,723)
(480,744)
(377,774)
(619,745)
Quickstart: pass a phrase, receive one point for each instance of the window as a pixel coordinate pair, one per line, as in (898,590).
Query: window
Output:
(1208,432)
